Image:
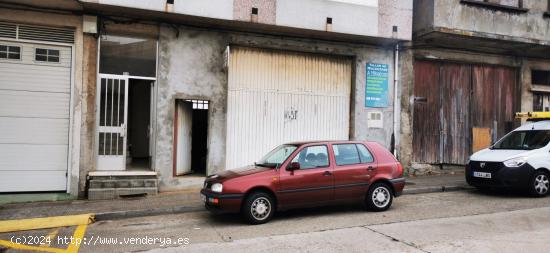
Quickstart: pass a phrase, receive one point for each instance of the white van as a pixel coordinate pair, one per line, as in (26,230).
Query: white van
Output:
(520,160)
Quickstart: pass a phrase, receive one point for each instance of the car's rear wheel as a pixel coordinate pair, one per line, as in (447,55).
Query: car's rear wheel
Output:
(379,197)
(540,184)
(258,208)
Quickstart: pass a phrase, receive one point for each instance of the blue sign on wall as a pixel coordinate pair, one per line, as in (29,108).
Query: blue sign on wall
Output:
(376,91)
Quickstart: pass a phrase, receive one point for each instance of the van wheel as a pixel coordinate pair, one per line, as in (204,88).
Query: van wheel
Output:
(258,208)
(379,198)
(540,184)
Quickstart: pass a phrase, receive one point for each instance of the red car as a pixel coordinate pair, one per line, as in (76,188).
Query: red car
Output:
(307,174)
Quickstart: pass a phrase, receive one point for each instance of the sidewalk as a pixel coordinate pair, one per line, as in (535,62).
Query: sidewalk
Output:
(178,202)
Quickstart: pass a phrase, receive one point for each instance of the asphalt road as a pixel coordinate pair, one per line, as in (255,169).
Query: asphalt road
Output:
(467,221)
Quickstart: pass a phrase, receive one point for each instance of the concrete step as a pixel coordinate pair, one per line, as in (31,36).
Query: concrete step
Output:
(122,183)
(119,186)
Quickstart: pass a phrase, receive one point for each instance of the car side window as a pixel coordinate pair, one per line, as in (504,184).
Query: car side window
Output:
(364,154)
(312,157)
(345,154)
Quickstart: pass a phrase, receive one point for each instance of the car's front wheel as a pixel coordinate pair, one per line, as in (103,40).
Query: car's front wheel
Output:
(258,208)
(379,197)
(540,184)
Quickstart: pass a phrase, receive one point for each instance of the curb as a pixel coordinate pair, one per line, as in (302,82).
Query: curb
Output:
(432,189)
(148,212)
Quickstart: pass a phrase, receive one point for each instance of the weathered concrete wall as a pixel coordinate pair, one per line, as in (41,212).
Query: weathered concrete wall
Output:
(406,80)
(62,20)
(191,66)
(89,69)
(523,65)
(423,15)
(454,15)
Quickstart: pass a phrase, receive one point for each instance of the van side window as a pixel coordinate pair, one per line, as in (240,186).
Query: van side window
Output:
(364,154)
(345,154)
(312,157)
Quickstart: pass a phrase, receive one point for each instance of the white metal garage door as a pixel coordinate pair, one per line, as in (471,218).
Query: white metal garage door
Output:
(276,97)
(35,92)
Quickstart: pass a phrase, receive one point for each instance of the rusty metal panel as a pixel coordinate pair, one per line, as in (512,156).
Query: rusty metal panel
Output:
(455,82)
(483,96)
(508,103)
(495,99)
(426,114)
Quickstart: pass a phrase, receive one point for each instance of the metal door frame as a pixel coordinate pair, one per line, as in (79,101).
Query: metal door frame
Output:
(124,126)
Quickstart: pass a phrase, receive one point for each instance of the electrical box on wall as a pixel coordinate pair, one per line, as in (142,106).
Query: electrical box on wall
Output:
(375,120)
(89,24)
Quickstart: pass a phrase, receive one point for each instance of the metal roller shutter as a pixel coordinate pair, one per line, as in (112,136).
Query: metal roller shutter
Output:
(34,118)
(276,97)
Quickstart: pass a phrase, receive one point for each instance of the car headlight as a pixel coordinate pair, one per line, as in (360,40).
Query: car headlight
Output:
(515,162)
(217,187)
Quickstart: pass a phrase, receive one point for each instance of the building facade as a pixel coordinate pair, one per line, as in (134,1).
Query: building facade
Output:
(163,93)
(472,65)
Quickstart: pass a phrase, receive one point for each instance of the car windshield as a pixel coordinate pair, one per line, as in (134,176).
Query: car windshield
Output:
(524,140)
(277,156)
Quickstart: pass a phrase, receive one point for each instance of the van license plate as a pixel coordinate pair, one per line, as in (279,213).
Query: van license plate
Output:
(482,174)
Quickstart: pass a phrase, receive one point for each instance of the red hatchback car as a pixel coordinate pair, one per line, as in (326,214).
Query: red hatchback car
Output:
(307,174)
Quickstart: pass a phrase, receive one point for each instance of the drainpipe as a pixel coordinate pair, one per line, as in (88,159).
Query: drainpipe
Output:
(396,104)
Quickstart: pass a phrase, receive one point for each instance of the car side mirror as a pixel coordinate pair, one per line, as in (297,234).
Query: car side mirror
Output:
(293,166)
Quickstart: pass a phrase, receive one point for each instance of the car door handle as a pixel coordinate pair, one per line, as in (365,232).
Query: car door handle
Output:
(327,173)
(370,168)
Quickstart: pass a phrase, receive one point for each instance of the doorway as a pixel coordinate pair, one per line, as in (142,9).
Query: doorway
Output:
(139,124)
(125,120)
(191,137)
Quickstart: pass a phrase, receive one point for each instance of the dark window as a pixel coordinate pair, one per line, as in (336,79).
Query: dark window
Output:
(199,104)
(364,154)
(255,11)
(541,102)
(170,1)
(10,52)
(346,154)
(524,140)
(46,55)
(134,56)
(312,157)
(540,77)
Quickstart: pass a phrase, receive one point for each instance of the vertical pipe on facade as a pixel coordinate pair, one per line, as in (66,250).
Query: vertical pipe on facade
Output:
(396,105)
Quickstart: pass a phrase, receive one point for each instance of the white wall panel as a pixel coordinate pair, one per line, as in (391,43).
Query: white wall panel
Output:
(23,157)
(34,104)
(277,97)
(32,181)
(353,17)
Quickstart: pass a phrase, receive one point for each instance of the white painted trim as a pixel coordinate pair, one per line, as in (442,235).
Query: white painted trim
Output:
(128,76)
(122,173)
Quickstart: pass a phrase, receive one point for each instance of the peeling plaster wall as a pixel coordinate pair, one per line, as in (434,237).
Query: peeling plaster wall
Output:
(531,25)
(191,66)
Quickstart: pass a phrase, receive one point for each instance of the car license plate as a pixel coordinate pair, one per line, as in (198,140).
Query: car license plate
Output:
(482,174)
(203,197)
